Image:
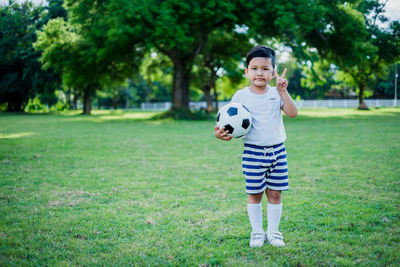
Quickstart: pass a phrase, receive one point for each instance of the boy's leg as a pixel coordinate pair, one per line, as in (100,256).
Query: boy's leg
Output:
(277,181)
(274,209)
(254,209)
(274,212)
(254,173)
(254,198)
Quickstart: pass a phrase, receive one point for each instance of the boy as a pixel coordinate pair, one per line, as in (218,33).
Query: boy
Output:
(264,161)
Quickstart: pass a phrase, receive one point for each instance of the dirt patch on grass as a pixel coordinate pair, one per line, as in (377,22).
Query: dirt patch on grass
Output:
(72,198)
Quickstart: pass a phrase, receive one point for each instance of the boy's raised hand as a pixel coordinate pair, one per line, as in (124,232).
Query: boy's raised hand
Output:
(281,82)
(221,134)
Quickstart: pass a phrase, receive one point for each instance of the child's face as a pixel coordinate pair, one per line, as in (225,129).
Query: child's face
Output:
(260,71)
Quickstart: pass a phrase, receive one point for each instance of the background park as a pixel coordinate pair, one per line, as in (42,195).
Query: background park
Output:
(87,178)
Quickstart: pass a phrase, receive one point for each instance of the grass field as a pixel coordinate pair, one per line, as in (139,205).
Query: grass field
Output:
(119,189)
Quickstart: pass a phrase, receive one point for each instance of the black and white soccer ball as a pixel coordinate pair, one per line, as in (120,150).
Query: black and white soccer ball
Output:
(235,118)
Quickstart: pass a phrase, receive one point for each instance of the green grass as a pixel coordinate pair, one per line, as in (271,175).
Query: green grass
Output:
(119,189)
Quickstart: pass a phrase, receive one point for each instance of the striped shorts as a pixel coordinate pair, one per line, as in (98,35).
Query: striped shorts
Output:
(265,167)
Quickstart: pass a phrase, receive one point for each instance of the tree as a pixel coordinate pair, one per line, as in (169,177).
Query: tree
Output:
(157,71)
(21,76)
(378,48)
(178,28)
(85,63)
(54,9)
(59,46)
(323,79)
(384,87)
(383,50)
(351,39)
(116,31)
(223,52)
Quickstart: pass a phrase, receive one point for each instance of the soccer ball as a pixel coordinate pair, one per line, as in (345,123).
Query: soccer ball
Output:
(235,118)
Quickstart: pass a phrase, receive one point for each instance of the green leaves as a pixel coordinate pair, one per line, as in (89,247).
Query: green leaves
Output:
(104,42)
(21,74)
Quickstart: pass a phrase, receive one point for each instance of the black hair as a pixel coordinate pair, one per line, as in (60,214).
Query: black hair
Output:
(261,51)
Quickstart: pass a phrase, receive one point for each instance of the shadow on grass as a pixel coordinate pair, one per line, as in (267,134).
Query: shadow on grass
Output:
(97,116)
(149,116)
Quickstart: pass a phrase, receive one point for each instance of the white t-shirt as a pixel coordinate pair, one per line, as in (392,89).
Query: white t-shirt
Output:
(267,127)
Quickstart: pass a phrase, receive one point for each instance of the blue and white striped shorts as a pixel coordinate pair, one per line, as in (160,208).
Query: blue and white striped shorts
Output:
(265,167)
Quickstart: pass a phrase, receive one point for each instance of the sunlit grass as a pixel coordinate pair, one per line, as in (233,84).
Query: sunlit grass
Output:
(15,135)
(103,115)
(346,112)
(118,189)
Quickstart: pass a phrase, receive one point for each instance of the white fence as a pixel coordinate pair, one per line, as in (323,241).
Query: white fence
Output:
(345,103)
(334,103)
(156,106)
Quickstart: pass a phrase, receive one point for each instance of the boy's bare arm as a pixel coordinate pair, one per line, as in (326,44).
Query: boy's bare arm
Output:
(221,134)
(288,107)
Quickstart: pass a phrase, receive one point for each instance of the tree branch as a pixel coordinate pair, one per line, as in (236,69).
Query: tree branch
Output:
(162,50)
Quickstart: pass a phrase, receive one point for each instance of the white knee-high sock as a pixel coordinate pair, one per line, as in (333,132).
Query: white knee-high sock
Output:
(274,212)
(255,216)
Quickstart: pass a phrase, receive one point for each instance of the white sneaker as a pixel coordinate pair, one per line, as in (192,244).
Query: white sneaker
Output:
(257,239)
(275,238)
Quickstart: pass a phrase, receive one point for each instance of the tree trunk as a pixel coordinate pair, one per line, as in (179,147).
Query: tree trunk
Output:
(87,100)
(15,106)
(208,98)
(68,96)
(87,103)
(75,100)
(213,86)
(207,91)
(215,98)
(180,89)
(115,102)
(182,71)
(361,103)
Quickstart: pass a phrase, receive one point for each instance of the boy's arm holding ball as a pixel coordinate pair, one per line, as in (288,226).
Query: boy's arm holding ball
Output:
(288,107)
(221,134)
